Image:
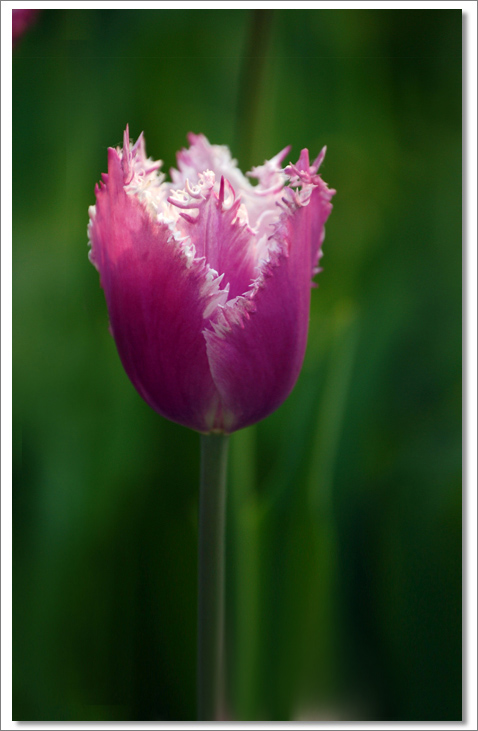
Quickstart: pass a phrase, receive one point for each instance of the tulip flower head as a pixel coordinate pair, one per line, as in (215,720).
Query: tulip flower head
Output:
(207,278)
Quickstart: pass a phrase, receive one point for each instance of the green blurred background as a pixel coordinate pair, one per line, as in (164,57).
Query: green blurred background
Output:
(344,507)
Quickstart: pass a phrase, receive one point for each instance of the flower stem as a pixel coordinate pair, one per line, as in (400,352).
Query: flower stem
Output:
(212,504)
(251,83)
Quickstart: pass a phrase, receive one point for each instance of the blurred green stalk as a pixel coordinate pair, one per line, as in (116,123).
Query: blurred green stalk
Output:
(212,504)
(251,84)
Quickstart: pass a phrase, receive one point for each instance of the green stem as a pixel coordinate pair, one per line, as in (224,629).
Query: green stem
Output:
(251,84)
(212,504)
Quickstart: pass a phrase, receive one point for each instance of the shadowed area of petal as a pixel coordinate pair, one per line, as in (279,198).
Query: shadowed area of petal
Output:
(257,344)
(156,295)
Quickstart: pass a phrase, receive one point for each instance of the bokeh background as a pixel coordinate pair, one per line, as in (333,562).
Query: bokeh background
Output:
(344,507)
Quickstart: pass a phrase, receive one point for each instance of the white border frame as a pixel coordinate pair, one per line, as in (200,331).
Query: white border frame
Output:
(469,9)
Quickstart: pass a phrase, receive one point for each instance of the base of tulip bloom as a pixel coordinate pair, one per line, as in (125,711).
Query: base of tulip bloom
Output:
(212,511)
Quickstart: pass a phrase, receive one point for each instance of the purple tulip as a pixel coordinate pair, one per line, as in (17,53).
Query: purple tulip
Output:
(207,278)
(21,21)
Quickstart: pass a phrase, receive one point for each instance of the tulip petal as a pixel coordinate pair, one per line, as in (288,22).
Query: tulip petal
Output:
(201,156)
(157,295)
(257,342)
(213,221)
(259,200)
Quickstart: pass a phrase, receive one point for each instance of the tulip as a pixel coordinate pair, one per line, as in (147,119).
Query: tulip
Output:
(207,278)
(207,281)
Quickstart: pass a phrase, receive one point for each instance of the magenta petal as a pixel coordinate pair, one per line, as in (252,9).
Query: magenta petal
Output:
(227,243)
(316,214)
(257,346)
(203,156)
(156,296)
